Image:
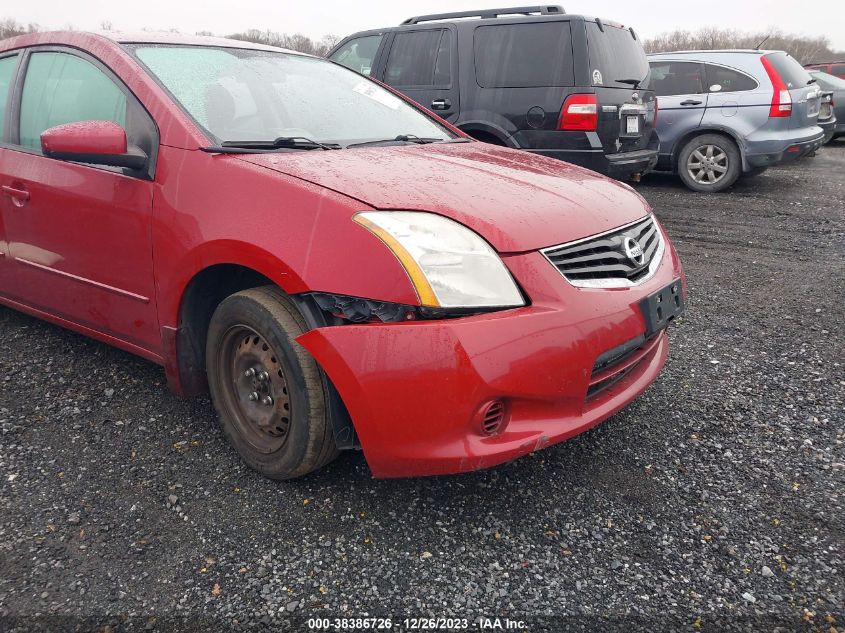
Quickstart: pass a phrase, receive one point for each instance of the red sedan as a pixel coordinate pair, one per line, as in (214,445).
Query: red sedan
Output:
(340,268)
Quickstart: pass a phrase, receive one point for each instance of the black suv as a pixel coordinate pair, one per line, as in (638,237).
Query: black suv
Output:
(566,86)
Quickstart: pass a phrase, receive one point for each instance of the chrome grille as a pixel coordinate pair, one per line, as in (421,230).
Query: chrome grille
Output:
(610,259)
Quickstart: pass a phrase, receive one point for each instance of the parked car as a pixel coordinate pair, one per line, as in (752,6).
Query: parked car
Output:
(837,87)
(837,69)
(727,113)
(565,86)
(341,268)
(827,116)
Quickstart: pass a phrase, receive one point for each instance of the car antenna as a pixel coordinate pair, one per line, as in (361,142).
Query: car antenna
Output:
(763,41)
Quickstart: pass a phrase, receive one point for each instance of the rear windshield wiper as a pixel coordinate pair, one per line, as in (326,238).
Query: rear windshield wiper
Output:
(812,81)
(283,142)
(407,138)
(631,82)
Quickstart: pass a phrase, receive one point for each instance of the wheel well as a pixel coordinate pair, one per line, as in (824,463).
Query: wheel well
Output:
(486,137)
(679,145)
(201,297)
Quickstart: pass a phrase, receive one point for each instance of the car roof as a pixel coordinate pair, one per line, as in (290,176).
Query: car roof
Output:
(504,19)
(728,51)
(92,38)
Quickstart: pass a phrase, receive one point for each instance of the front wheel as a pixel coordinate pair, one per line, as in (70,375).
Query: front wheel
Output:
(709,163)
(268,391)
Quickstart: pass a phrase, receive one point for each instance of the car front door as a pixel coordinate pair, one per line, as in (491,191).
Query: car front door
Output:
(78,235)
(681,98)
(8,66)
(423,64)
(359,53)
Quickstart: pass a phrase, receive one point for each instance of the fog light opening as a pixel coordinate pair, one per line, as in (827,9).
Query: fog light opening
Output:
(492,417)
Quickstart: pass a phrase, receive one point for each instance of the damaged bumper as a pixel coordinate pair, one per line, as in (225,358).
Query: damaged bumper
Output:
(416,390)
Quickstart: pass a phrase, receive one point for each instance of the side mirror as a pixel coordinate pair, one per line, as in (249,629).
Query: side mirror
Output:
(94,142)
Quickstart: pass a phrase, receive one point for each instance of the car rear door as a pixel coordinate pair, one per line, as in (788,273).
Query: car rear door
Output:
(79,235)
(8,67)
(620,76)
(423,64)
(736,100)
(682,99)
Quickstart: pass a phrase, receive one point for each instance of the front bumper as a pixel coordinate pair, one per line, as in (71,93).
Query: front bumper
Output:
(414,389)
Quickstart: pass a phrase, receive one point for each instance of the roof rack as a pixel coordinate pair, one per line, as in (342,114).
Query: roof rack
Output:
(488,13)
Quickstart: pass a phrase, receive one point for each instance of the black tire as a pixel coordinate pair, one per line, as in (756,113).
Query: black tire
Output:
(754,171)
(719,159)
(290,434)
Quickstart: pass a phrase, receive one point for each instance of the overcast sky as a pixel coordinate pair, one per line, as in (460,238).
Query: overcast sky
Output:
(341,18)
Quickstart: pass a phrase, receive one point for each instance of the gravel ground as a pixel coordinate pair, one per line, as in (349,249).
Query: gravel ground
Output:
(714,502)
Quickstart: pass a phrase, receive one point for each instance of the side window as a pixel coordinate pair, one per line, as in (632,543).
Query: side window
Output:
(721,79)
(676,78)
(524,55)
(7,68)
(358,54)
(418,58)
(62,88)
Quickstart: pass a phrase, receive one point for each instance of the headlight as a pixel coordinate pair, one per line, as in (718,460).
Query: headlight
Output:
(449,265)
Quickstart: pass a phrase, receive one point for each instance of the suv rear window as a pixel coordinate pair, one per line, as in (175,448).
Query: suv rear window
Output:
(524,55)
(615,55)
(793,74)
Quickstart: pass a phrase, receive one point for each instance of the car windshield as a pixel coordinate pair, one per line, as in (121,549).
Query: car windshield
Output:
(254,95)
(830,82)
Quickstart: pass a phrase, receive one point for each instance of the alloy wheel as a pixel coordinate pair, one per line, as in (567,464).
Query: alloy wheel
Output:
(707,164)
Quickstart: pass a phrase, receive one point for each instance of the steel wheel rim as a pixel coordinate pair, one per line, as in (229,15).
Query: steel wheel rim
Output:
(255,388)
(707,164)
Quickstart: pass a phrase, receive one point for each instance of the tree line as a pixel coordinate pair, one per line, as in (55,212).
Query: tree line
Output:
(803,48)
(294,42)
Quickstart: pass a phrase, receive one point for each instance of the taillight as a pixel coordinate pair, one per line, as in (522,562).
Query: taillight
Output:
(781,99)
(579,112)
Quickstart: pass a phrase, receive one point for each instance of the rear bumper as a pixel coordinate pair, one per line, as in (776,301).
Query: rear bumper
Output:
(620,166)
(782,148)
(414,389)
(829,129)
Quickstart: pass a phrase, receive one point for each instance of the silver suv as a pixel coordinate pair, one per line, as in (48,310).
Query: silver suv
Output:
(726,113)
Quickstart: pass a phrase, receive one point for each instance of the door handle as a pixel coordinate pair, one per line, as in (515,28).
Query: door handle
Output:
(441,104)
(20,196)
(690,102)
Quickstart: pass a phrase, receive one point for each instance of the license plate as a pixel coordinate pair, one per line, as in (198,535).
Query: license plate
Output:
(632,125)
(662,307)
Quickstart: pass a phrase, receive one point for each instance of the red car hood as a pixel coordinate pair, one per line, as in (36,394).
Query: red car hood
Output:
(516,200)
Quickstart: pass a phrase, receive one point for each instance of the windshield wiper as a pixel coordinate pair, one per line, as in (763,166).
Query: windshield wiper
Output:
(409,138)
(283,142)
(631,82)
